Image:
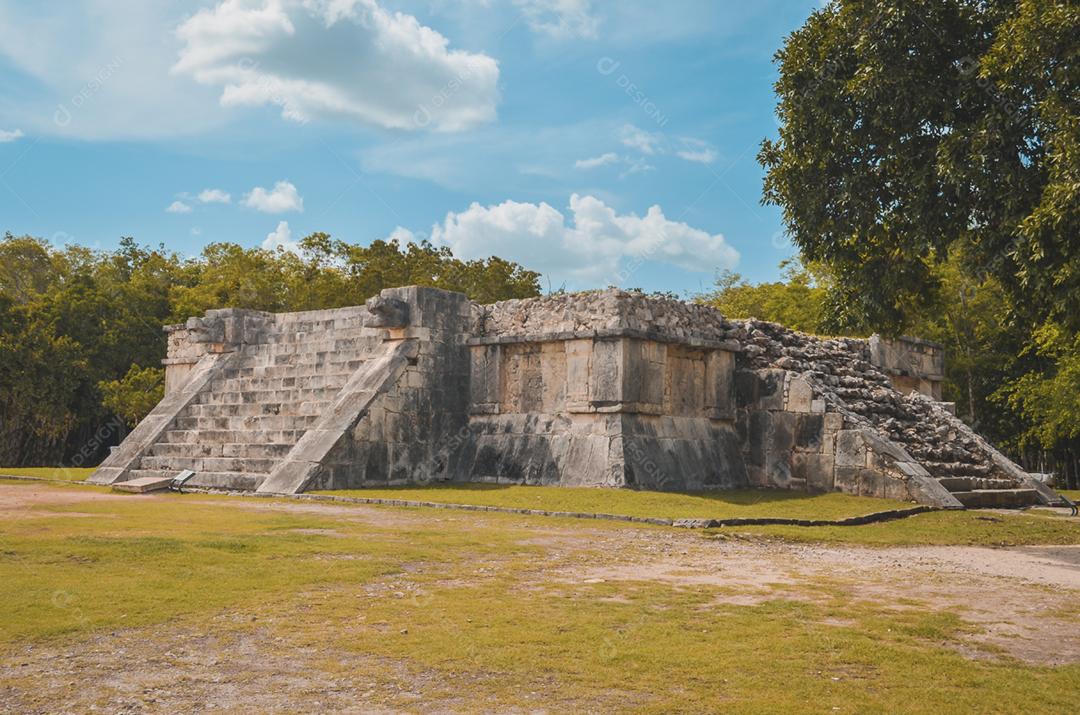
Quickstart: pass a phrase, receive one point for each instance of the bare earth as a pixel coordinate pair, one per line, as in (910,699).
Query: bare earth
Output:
(1016,595)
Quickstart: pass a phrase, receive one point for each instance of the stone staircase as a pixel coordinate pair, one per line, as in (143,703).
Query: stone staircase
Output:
(840,373)
(235,432)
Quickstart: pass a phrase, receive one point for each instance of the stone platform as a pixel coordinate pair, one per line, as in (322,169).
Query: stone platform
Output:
(611,389)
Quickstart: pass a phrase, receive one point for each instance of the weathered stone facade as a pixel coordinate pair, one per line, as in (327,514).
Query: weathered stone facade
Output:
(610,389)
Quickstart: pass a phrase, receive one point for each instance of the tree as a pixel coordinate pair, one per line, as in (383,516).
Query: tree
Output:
(929,159)
(796,302)
(135,394)
(76,324)
(911,129)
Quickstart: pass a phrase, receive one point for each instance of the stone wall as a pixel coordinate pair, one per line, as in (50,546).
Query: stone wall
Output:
(610,388)
(911,364)
(609,409)
(415,429)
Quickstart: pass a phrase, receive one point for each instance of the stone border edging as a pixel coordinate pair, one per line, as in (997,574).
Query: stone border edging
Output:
(874,517)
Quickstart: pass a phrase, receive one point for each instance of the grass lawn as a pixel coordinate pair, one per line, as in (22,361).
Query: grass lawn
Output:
(473,611)
(625,502)
(67,474)
(951,528)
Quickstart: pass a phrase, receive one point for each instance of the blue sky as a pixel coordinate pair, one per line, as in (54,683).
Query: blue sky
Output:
(598,142)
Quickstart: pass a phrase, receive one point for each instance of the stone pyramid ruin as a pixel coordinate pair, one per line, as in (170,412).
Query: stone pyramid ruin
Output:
(610,388)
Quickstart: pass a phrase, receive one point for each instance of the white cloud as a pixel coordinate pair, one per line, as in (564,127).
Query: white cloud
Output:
(697,151)
(281,237)
(10,136)
(643,141)
(283,197)
(178,207)
(636,166)
(196,231)
(589,251)
(99,70)
(560,18)
(337,59)
(402,235)
(596,161)
(214,196)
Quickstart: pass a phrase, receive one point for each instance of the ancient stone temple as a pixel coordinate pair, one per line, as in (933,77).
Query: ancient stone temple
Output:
(605,389)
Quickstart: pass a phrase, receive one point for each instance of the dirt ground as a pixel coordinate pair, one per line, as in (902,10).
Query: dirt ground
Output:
(1017,596)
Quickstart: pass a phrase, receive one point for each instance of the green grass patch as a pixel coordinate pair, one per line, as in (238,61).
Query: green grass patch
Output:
(493,613)
(625,502)
(67,474)
(955,528)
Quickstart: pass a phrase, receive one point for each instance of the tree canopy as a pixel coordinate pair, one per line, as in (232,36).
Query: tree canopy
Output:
(910,130)
(81,330)
(928,160)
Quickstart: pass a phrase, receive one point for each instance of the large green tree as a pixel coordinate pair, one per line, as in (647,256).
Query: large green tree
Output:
(929,159)
(909,129)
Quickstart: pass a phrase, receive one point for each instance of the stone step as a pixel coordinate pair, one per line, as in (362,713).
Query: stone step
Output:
(266,450)
(227,393)
(209,464)
(256,409)
(997,498)
(958,469)
(973,483)
(314,344)
(244,379)
(234,481)
(259,422)
(309,363)
(143,484)
(238,481)
(246,436)
(252,369)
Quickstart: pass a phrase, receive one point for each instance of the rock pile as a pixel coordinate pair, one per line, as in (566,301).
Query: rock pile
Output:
(840,372)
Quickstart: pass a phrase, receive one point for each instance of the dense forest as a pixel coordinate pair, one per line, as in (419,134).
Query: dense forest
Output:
(81,338)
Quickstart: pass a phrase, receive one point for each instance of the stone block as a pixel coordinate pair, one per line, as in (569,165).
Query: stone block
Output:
(815,469)
(846,479)
(770,389)
(720,384)
(850,449)
(800,395)
(606,373)
(809,432)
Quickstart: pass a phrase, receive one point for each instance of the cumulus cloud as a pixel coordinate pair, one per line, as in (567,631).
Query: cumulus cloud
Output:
(283,197)
(178,207)
(281,237)
(402,235)
(214,196)
(596,161)
(592,249)
(337,59)
(10,135)
(645,142)
(560,18)
(697,151)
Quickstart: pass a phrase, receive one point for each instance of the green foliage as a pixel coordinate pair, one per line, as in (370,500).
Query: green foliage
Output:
(908,130)
(135,394)
(929,159)
(796,302)
(75,324)
(1049,398)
